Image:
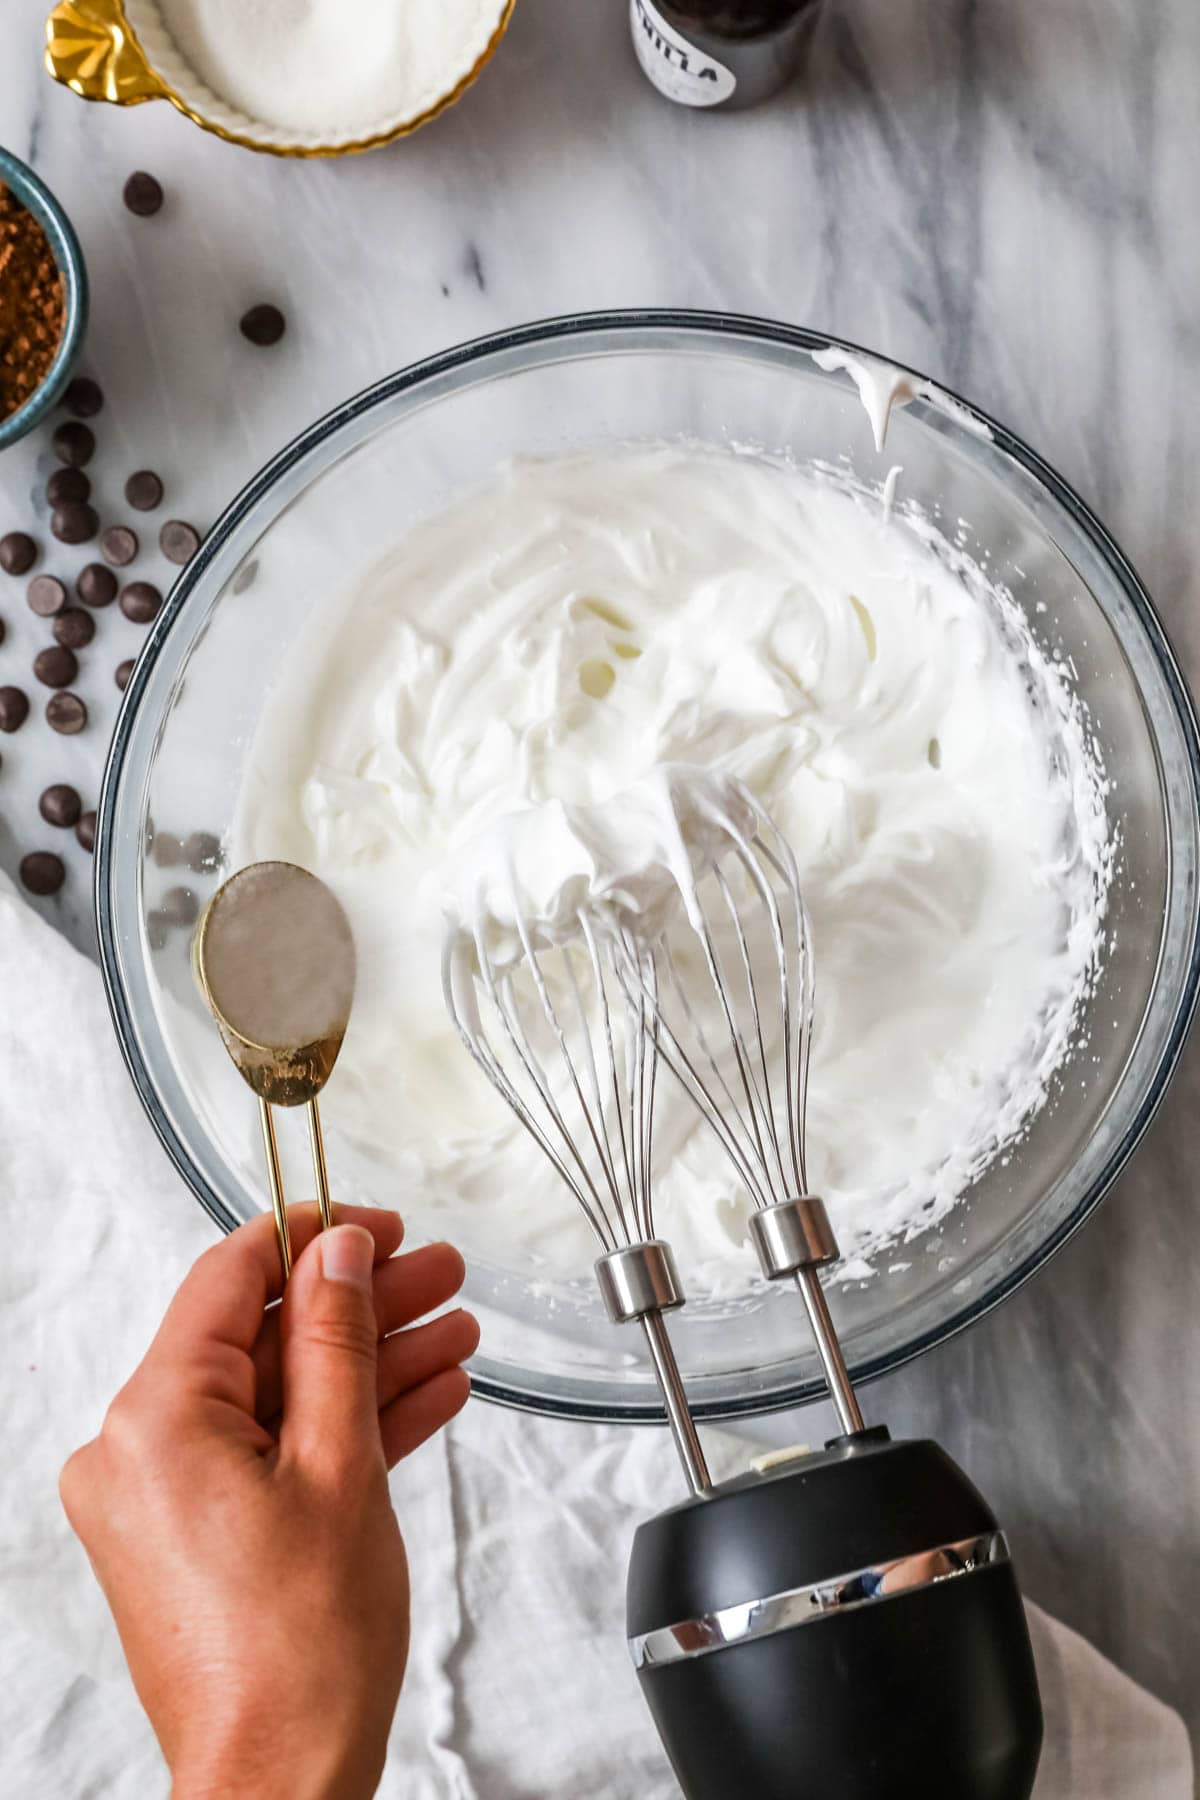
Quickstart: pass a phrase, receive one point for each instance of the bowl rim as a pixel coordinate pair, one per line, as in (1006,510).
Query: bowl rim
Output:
(637,323)
(50,214)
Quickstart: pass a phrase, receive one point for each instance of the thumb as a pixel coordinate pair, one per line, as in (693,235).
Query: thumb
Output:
(331,1355)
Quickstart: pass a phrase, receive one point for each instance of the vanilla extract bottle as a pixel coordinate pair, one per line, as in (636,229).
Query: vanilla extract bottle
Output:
(720,53)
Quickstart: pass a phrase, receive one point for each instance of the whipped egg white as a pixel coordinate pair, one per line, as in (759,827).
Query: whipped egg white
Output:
(629,861)
(555,641)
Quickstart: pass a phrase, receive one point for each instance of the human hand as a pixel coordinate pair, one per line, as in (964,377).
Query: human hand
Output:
(235,1505)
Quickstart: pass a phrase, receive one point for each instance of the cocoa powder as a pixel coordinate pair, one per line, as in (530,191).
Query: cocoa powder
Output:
(32,304)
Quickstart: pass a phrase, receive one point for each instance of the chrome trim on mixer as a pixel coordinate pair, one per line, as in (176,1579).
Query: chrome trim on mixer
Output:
(802,1605)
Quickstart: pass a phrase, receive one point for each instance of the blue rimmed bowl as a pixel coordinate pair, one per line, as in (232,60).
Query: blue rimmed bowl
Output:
(33,193)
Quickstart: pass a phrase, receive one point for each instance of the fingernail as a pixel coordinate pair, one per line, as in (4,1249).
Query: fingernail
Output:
(347,1254)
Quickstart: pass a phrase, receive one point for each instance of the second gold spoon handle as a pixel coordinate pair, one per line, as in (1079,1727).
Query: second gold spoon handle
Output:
(316,1138)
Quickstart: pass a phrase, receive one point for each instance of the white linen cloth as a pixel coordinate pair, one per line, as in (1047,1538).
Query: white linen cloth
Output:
(519,1685)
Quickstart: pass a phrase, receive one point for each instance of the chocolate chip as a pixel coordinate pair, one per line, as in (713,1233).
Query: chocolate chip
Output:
(18,552)
(74,522)
(56,667)
(143,195)
(263,325)
(67,484)
(140,602)
(158,930)
(60,805)
(202,852)
(83,397)
(14,708)
(178,541)
(74,628)
(66,713)
(85,831)
(123,671)
(180,906)
(74,443)
(3,631)
(46,596)
(42,872)
(118,545)
(169,850)
(144,490)
(96,586)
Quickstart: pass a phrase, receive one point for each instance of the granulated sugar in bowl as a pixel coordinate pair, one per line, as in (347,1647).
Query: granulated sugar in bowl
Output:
(294,77)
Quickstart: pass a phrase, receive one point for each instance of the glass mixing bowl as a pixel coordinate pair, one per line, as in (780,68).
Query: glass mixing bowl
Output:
(341,496)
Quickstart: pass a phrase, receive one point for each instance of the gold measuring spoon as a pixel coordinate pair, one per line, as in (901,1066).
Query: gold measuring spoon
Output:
(274,957)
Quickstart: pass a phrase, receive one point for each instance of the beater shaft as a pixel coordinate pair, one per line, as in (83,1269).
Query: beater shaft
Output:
(794,1237)
(683,1429)
(640,1282)
(841,1391)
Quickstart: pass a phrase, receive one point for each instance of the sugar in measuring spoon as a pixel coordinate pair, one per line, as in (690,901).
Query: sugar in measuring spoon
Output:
(275,960)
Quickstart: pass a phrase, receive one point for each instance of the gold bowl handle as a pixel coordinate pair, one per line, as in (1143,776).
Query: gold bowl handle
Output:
(90,49)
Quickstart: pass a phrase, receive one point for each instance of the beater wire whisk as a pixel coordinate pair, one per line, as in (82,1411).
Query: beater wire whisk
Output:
(747,940)
(573,1050)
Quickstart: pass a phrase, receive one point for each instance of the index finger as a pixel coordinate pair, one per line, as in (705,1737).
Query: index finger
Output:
(225,1294)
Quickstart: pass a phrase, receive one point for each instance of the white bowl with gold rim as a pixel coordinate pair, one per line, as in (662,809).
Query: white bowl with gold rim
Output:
(122,51)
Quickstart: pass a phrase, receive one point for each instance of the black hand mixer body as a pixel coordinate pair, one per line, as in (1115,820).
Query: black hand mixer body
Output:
(846,1626)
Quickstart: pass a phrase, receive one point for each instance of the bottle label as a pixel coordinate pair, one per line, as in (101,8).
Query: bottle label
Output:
(677,68)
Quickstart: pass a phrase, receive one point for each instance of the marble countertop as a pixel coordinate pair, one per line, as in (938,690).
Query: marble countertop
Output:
(1004,197)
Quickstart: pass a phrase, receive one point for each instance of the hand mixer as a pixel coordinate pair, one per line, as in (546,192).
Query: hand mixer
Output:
(844,1625)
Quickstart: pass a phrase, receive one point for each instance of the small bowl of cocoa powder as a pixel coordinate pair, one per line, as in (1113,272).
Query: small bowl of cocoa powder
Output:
(43,299)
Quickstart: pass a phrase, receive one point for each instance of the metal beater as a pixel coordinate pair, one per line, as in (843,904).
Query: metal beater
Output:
(575,1056)
(748,920)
